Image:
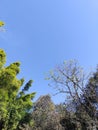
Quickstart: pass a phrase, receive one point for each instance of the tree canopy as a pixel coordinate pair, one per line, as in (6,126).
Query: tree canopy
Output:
(78,112)
(81,94)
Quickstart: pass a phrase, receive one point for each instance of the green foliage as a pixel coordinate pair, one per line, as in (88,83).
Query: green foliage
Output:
(1,23)
(2,58)
(14,105)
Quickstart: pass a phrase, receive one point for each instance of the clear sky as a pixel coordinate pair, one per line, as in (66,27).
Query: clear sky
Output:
(43,33)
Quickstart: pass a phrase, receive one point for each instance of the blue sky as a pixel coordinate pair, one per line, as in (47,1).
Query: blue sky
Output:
(43,33)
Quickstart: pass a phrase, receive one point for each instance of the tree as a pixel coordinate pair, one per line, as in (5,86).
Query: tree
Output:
(15,104)
(90,98)
(45,116)
(70,79)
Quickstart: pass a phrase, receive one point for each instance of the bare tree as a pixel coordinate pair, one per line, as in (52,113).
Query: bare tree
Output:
(68,78)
